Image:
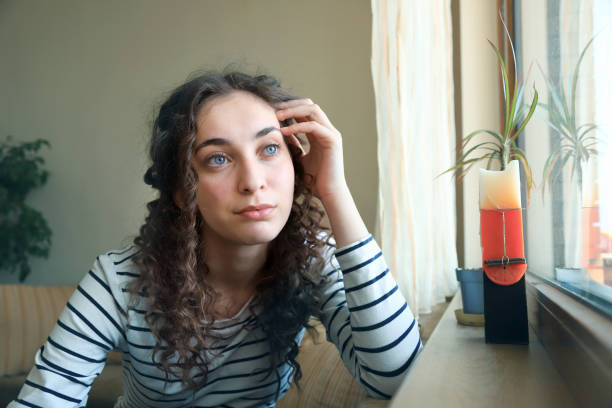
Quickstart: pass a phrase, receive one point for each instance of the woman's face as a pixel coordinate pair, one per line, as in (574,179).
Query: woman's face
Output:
(245,172)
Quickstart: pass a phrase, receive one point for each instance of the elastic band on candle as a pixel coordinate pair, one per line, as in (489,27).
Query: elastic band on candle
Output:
(505,261)
(502,209)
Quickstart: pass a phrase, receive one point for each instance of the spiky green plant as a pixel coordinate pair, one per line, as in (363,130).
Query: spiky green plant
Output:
(503,148)
(576,143)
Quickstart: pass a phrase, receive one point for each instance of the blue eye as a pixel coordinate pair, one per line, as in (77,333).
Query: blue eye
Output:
(217,160)
(271,149)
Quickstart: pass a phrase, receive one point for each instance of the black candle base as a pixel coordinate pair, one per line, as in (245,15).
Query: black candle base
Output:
(505,310)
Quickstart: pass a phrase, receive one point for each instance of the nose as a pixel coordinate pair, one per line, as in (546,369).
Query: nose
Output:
(251,177)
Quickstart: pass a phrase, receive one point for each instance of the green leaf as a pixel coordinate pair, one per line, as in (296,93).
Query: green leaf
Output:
(469,137)
(24,231)
(549,167)
(565,158)
(458,166)
(24,271)
(520,112)
(560,121)
(534,103)
(575,76)
(490,161)
(506,87)
(510,118)
(479,145)
(516,114)
(548,122)
(567,114)
(559,100)
(518,154)
(588,127)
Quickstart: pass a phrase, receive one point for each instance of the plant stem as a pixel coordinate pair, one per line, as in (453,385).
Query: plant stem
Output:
(505,156)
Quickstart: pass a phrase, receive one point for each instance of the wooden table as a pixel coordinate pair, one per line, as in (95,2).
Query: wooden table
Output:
(458,369)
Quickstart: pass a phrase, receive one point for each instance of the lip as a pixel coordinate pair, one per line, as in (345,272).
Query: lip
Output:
(257,212)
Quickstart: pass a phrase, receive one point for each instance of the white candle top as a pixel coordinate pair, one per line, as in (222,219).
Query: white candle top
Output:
(500,189)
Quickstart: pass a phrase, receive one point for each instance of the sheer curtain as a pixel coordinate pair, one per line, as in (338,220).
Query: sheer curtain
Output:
(412,73)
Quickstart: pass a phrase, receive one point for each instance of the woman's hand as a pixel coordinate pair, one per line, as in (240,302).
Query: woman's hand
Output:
(324,161)
(325,164)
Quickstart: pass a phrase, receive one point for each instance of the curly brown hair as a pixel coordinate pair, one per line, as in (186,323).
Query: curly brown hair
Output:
(170,257)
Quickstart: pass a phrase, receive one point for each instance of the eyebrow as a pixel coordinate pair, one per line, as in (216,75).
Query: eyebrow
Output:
(217,141)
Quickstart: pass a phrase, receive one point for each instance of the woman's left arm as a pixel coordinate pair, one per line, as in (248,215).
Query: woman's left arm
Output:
(324,162)
(363,311)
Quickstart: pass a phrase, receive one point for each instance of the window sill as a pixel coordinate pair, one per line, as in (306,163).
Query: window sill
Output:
(458,369)
(577,338)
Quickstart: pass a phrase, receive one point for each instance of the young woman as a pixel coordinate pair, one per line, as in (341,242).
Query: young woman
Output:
(210,303)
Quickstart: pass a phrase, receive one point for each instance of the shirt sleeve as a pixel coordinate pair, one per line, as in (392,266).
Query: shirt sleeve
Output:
(368,319)
(74,354)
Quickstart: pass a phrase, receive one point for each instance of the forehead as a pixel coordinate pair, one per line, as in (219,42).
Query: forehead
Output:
(238,110)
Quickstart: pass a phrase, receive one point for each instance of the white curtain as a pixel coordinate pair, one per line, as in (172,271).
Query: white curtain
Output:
(413,84)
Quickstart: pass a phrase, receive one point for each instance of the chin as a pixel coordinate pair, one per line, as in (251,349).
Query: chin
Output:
(258,235)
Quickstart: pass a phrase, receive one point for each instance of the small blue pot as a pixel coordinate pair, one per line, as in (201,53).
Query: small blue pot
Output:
(472,291)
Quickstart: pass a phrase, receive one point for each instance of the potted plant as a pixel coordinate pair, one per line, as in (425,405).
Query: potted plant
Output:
(576,152)
(500,204)
(23,230)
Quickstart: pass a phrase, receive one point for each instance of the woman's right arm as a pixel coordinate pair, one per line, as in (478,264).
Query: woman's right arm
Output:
(91,324)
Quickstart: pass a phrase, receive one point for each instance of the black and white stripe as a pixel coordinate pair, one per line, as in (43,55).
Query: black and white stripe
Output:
(362,309)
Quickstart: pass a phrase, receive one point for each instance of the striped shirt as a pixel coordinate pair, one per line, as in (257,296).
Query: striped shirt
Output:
(363,312)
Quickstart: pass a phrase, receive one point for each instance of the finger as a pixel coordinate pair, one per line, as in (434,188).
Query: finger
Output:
(304,113)
(314,131)
(293,102)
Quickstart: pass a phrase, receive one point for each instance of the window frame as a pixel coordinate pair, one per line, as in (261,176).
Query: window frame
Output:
(576,337)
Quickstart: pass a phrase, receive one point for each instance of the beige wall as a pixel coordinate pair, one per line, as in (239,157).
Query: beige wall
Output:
(87,76)
(479,104)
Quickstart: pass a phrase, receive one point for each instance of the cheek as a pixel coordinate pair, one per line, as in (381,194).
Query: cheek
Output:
(285,179)
(290,194)
(211,194)
(288,188)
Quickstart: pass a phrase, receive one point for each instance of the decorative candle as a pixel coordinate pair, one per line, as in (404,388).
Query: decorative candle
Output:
(503,256)
(501,225)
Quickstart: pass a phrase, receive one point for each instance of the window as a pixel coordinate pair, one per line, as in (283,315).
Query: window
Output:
(569,218)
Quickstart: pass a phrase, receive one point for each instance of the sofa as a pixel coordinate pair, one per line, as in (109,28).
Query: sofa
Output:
(28,313)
